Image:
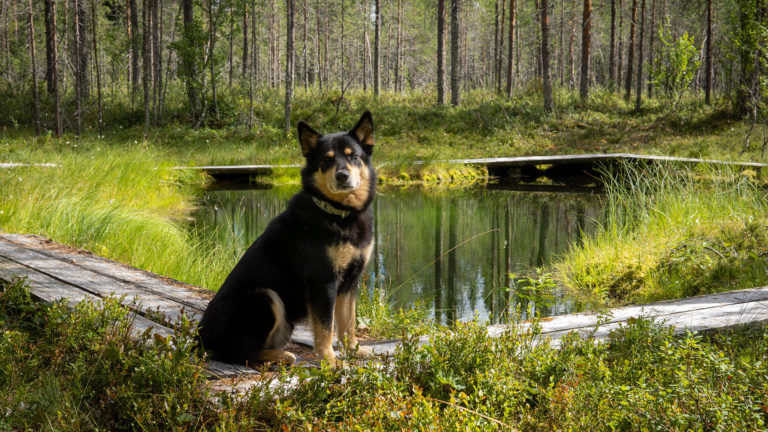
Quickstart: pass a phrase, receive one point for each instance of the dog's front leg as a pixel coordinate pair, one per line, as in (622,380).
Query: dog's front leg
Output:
(321,320)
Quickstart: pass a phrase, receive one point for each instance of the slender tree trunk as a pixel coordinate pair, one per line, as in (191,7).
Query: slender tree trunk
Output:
(211,45)
(398,45)
(499,70)
(50,45)
(639,87)
(549,107)
(620,52)
(455,72)
(244,69)
(273,51)
(98,68)
(232,44)
(651,52)
(133,37)
(571,61)
(189,59)
(586,33)
(497,22)
(146,17)
(82,54)
(289,4)
(33,63)
(157,57)
(631,54)
(50,19)
(708,57)
(305,46)
(440,52)
(318,46)
(612,55)
(561,45)
(251,83)
(512,29)
(78,72)
(377,47)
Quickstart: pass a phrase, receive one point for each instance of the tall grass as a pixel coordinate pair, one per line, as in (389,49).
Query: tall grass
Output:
(125,203)
(672,231)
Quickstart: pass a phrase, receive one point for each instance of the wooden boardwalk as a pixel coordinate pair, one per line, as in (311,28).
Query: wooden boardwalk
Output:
(54,271)
(559,167)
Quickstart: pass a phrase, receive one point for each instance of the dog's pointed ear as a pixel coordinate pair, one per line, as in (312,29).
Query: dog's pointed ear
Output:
(363,131)
(307,138)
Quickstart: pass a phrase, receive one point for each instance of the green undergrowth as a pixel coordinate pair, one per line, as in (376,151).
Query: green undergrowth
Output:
(78,369)
(125,203)
(670,232)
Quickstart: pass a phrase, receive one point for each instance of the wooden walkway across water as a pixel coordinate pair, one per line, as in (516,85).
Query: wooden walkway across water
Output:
(557,167)
(54,272)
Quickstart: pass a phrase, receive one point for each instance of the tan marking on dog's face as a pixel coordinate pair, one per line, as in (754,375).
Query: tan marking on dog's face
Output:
(341,255)
(347,151)
(358,197)
(330,154)
(325,182)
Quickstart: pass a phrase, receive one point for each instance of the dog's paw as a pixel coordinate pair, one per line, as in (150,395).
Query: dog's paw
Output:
(364,351)
(288,357)
(327,356)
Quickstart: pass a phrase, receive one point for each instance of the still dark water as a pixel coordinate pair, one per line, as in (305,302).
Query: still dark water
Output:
(459,254)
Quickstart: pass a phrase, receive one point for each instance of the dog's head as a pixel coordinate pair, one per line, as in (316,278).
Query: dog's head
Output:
(338,165)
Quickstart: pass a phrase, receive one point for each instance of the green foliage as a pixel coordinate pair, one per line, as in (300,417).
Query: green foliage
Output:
(84,368)
(672,232)
(80,369)
(677,63)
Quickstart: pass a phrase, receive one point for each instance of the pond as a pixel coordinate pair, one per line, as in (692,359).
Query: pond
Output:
(459,254)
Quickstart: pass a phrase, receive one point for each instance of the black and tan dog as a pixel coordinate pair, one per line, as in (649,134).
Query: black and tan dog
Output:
(308,261)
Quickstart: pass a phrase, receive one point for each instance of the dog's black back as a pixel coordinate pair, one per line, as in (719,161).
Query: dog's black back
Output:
(309,259)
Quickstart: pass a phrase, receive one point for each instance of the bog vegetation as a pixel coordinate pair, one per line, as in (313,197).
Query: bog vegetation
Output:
(118,93)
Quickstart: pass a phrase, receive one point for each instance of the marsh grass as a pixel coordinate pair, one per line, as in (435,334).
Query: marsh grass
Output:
(670,232)
(124,203)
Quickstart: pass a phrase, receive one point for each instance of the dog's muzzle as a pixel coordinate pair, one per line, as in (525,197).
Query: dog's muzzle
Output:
(345,181)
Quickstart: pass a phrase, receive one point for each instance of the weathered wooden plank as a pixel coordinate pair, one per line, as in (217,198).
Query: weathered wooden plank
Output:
(94,283)
(590,320)
(219,370)
(194,298)
(48,289)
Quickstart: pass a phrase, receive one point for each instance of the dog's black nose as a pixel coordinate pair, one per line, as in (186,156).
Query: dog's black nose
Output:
(342,176)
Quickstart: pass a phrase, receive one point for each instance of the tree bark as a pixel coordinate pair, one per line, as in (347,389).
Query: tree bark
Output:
(244,69)
(639,87)
(33,63)
(455,72)
(398,45)
(189,58)
(612,55)
(510,61)
(157,57)
(50,45)
(620,51)
(211,46)
(147,72)
(631,54)
(135,45)
(545,67)
(377,47)
(50,18)
(82,54)
(586,33)
(440,51)
(651,53)
(288,62)
(78,71)
(98,69)
(708,57)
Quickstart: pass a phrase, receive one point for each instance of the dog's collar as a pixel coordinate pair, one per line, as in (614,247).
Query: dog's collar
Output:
(330,209)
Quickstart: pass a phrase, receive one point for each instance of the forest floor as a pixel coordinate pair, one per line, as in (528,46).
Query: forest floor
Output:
(671,233)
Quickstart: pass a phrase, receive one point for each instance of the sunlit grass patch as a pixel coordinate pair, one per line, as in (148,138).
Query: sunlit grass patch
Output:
(672,232)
